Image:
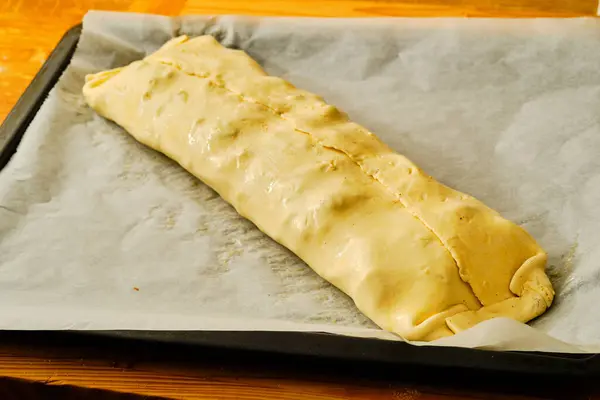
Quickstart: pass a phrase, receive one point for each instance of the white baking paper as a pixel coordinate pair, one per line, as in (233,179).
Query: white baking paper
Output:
(99,232)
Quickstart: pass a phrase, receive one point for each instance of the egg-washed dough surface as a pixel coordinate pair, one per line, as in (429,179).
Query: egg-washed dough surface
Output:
(418,258)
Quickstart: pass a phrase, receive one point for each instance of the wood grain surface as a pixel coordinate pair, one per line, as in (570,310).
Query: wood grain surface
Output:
(29,29)
(193,373)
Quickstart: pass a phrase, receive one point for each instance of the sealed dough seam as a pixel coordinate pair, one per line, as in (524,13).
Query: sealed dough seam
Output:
(279,114)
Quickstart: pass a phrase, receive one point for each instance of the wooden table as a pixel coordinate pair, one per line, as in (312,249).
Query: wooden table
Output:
(29,29)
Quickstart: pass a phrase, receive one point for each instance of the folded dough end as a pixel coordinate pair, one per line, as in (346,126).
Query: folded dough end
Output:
(535,294)
(434,327)
(94,80)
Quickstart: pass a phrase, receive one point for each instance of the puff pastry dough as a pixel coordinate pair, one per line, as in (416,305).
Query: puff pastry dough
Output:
(417,257)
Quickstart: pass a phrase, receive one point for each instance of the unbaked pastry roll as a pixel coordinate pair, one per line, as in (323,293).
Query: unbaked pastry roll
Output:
(417,257)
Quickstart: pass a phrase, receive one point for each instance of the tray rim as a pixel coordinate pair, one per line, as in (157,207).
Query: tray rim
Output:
(311,344)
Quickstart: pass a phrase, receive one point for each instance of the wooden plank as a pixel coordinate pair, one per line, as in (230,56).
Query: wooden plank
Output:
(410,8)
(205,376)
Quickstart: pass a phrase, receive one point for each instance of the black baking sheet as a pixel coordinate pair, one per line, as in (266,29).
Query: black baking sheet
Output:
(297,344)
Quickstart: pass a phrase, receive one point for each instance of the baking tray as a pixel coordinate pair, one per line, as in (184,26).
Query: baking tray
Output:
(325,347)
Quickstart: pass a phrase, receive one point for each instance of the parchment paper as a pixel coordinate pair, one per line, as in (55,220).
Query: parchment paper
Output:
(99,232)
